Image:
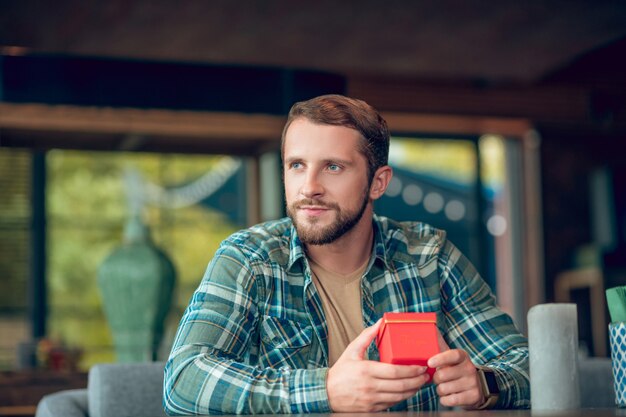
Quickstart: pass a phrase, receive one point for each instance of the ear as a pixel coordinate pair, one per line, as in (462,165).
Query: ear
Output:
(381,179)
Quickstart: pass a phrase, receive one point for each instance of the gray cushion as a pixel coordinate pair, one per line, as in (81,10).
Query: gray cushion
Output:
(126,390)
(69,403)
(596,383)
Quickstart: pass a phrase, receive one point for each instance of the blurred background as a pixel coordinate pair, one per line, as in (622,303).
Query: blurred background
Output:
(508,121)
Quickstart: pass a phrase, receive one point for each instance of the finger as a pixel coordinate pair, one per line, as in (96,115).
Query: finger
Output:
(457,386)
(382,370)
(356,349)
(448,358)
(386,400)
(451,373)
(401,385)
(462,399)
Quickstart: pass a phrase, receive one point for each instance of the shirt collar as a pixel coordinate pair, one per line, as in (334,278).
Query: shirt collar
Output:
(380,243)
(296,249)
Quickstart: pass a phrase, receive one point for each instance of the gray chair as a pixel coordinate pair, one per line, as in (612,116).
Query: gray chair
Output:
(596,383)
(68,403)
(113,390)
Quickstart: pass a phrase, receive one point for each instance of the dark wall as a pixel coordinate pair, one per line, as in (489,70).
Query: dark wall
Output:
(568,160)
(566,165)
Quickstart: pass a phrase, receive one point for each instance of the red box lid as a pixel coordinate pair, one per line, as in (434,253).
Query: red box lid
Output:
(412,346)
(405,318)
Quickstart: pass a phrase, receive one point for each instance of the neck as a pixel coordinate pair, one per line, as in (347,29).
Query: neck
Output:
(350,251)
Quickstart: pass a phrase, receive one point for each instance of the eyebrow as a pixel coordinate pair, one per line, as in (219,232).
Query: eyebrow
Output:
(325,161)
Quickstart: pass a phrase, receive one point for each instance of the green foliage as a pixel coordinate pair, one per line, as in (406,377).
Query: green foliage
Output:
(15,213)
(453,160)
(87,209)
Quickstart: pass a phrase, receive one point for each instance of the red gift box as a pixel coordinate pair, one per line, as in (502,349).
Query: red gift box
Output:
(408,339)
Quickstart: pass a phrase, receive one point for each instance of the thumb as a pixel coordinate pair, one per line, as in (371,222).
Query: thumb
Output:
(356,349)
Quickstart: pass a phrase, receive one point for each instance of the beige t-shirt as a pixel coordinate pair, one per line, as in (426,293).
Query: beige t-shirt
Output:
(341,299)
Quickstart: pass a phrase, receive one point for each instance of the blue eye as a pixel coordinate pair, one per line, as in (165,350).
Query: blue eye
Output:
(295,165)
(334,167)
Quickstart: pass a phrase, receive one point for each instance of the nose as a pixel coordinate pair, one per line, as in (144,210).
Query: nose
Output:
(312,187)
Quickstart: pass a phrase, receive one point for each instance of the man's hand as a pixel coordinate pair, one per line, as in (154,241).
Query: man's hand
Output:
(456,377)
(358,385)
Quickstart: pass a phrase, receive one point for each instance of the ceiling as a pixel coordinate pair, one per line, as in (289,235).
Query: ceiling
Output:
(492,41)
(557,63)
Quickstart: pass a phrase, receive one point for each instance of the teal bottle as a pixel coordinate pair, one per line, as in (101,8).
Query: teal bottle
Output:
(136,283)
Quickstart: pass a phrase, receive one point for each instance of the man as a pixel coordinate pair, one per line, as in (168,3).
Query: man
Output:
(285,317)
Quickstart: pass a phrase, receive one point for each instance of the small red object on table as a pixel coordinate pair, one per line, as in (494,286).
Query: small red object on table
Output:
(408,339)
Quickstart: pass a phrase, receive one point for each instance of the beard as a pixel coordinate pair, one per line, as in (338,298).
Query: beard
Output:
(314,234)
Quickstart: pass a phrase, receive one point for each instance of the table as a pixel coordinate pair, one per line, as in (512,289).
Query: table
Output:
(20,391)
(584,412)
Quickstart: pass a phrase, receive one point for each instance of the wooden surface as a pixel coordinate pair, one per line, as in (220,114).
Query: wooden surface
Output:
(131,129)
(20,391)
(586,412)
(608,412)
(18,410)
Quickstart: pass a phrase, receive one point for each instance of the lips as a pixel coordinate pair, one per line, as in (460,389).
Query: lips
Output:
(306,207)
(311,204)
(312,209)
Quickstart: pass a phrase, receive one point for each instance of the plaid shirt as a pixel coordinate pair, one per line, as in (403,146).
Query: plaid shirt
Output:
(254,340)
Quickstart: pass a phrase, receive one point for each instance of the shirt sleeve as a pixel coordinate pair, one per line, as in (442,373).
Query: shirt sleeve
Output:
(475,324)
(212,366)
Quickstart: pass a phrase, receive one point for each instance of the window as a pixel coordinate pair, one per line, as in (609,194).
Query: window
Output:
(15,218)
(471,189)
(436,182)
(192,206)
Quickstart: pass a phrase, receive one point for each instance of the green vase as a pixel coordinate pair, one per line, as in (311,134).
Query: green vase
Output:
(136,283)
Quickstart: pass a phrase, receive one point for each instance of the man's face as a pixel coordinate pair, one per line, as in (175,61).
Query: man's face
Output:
(326,184)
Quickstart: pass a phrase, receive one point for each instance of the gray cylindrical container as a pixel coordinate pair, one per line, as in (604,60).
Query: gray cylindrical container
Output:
(553,350)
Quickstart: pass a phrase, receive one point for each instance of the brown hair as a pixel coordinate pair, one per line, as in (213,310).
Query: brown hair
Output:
(337,110)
